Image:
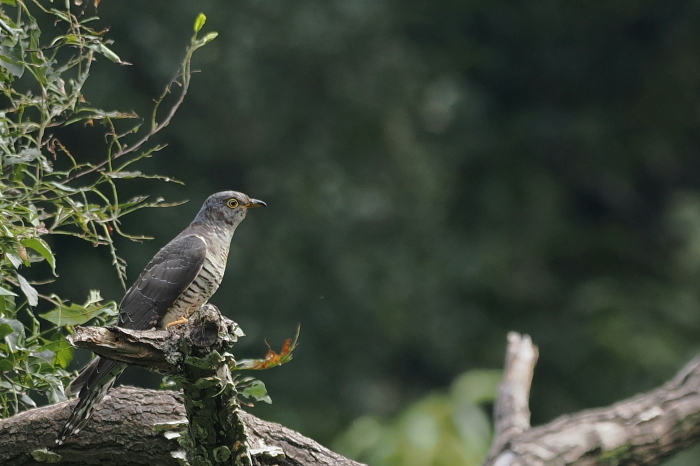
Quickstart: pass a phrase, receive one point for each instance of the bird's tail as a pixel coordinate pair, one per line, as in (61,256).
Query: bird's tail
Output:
(93,383)
(77,383)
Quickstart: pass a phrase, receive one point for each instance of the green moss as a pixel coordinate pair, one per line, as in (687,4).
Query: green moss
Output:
(222,454)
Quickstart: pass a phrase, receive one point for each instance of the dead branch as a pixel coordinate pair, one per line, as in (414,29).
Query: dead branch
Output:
(644,429)
(512,410)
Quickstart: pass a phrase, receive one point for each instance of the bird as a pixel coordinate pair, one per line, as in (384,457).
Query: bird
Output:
(179,279)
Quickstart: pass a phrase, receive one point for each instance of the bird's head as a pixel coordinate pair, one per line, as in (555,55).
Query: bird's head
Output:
(226,209)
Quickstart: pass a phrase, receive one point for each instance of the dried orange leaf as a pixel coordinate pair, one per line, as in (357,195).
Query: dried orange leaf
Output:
(272,358)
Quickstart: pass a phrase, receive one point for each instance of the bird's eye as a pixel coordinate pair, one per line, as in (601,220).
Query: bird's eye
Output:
(232,203)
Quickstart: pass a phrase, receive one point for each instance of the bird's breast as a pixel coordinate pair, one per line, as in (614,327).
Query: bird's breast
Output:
(200,290)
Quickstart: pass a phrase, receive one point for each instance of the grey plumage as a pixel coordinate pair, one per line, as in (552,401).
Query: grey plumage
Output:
(179,279)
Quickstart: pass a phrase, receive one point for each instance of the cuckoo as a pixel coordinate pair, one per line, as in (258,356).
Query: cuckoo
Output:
(179,279)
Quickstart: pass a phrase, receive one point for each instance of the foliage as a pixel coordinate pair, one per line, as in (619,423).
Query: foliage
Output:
(439,174)
(48,190)
(255,389)
(251,388)
(272,358)
(452,428)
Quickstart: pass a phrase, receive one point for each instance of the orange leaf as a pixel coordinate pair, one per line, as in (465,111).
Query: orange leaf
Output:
(272,358)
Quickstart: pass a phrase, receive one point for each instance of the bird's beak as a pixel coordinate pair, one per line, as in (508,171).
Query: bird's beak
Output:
(255,203)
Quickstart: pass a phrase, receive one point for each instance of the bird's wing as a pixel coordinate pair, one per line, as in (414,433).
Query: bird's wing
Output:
(168,274)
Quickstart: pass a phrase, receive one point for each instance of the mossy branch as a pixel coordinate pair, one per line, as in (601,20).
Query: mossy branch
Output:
(198,354)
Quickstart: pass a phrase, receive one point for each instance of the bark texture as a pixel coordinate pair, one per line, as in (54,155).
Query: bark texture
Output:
(142,427)
(203,426)
(644,429)
(511,414)
(135,427)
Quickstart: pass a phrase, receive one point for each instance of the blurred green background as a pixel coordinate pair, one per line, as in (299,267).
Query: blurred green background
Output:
(438,174)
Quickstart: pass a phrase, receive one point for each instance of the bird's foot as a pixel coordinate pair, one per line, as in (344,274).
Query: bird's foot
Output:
(181,320)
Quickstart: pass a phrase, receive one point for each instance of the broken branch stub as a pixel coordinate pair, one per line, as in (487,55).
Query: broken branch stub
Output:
(199,357)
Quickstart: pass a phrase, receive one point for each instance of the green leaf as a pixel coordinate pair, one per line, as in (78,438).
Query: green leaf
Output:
(7,303)
(15,260)
(7,231)
(124,174)
(63,351)
(28,290)
(24,156)
(5,330)
(40,246)
(15,340)
(76,314)
(26,399)
(205,40)
(65,356)
(6,292)
(42,360)
(106,51)
(257,390)
(6,365)
(11,61)
(54,393)
(199,22)
(209,37)
(63,187)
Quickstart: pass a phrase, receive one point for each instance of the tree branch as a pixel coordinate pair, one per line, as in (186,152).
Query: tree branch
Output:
(512,410)
(137,427)
(644,429)
(140,348)
(160,350)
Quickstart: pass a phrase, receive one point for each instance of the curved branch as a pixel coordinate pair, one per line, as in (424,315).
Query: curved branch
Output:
(644,429)
(512,410)
(136,427)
